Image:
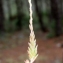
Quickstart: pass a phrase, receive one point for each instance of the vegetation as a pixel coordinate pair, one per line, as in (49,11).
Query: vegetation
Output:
(32,49)
(14,16)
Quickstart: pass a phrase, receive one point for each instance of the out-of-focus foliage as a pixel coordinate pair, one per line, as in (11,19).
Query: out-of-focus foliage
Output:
(12,16)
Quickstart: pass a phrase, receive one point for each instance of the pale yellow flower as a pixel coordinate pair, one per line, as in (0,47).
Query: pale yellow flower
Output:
(32,49)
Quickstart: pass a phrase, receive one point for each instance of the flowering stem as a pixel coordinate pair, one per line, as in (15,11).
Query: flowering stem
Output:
(32,49)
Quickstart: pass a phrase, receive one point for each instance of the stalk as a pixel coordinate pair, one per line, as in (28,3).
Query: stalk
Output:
(32,48)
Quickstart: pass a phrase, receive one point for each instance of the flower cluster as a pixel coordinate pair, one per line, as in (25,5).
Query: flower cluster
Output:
(32,49)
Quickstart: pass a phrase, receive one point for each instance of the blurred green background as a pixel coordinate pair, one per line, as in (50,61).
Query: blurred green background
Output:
(47,16)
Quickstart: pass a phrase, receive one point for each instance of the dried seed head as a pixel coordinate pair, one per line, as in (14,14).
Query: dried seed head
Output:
(32,49)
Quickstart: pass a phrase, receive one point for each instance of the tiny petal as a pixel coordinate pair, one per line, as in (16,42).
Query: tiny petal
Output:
(27,61)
